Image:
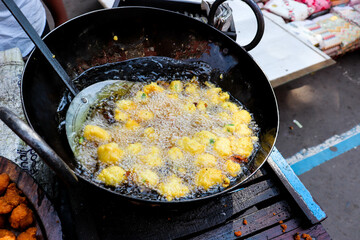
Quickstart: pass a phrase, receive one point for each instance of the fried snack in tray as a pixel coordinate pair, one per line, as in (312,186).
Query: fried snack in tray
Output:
(12,195)
(29,234)
(7,235)
(21,217)
(5,207)
(11,199)
(16,218)
(4,182)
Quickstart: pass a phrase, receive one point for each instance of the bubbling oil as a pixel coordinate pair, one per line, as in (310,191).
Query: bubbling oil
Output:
(185,110)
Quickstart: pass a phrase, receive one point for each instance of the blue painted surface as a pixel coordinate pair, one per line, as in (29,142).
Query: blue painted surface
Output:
(325,155)
(297,185)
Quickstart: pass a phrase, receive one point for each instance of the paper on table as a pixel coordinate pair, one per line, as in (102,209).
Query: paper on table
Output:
(280,54)
(11,146)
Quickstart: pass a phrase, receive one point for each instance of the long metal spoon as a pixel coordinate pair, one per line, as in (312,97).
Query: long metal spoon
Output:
(83,99)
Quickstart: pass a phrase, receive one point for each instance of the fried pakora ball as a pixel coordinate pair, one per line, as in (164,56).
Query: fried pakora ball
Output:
(120,115)
(147,177)
(176,86)
(126,105)
(242,146)
(7,235)
(11,199)
(29,234)
(190,107)
(208,177)
(95,133)
(110,153)
(223,147)
(152,87)
(191,145)
(243,130)
(153,158)
(113,175)
(205,137)
(232,168)
(205,160)
(131,124)
(232,107)
(12,195)
(5,207)
(242,116)
(21,217)
(4,182)
(173,188)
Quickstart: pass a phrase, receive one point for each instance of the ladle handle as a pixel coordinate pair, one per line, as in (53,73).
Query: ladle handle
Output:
(39,145)
(33,35)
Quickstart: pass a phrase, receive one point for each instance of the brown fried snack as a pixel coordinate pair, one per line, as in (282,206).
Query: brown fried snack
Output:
(12,195)
(7,235)
(5,207)
(29,234)
(21,217)
(4,182)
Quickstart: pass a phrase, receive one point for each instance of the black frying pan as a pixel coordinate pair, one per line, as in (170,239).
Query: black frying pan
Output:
(87,41)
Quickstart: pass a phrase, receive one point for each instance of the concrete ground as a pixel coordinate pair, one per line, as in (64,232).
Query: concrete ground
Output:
(325,103)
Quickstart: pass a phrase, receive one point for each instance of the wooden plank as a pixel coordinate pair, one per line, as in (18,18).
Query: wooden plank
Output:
(256,222)
(276,230)
(295,187)
(254,194)
(294,226)
(155,223)
(316,232)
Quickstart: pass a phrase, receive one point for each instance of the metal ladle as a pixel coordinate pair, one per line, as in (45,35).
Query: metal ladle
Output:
(82,100)
(80,104)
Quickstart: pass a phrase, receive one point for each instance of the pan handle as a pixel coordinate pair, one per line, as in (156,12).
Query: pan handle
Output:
(39,145)
(259,19)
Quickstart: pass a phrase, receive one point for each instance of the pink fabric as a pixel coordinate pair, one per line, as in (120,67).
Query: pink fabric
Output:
(289,9)
(317,5)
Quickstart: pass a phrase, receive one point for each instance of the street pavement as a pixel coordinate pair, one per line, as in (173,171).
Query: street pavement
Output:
(326,104)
